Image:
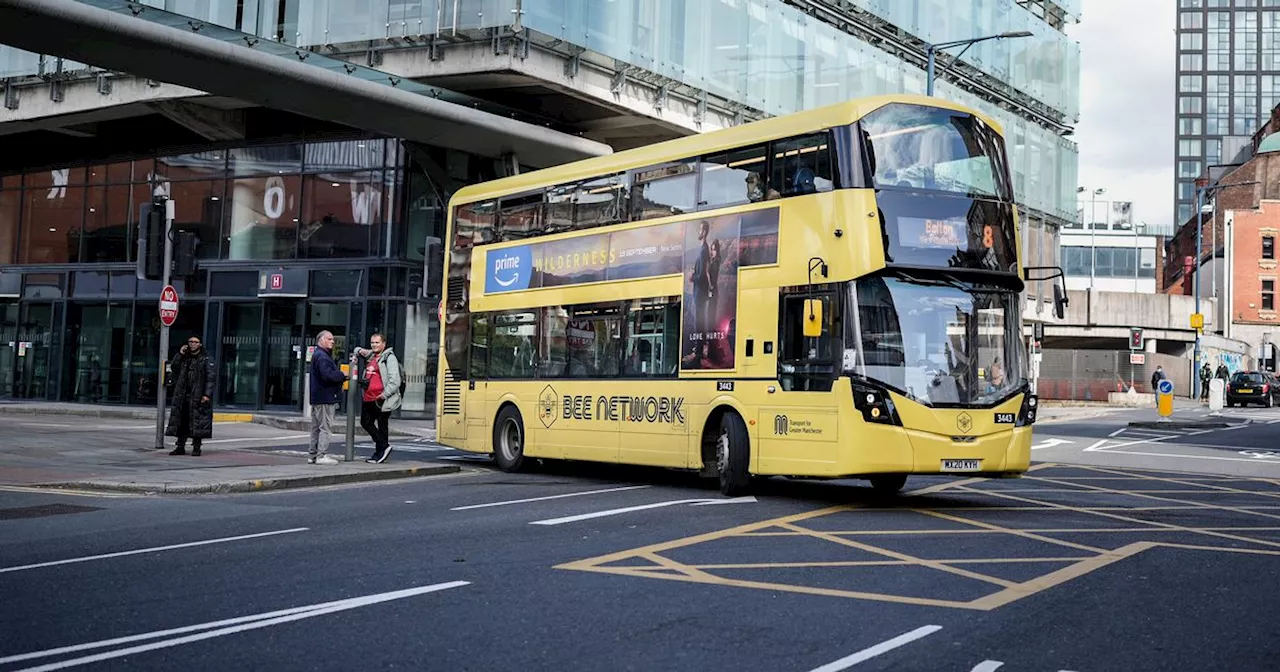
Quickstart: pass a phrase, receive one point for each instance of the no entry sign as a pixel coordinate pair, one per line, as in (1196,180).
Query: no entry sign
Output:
(168,305)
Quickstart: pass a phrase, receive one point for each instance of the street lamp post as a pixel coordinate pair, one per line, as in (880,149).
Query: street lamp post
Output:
(932,49)
(1093,237)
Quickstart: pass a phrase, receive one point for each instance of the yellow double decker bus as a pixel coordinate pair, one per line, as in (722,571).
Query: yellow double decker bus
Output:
(829,294)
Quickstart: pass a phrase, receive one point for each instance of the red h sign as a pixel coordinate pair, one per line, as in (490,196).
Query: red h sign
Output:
(277,281)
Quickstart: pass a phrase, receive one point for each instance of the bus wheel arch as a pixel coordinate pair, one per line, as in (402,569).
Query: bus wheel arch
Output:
(726,450)
(509,438)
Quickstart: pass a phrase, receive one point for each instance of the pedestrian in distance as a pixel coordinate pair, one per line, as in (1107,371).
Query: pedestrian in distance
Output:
(326,391)
(191,412)
(383,386)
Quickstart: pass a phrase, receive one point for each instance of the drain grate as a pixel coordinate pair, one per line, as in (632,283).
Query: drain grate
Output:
(45,510)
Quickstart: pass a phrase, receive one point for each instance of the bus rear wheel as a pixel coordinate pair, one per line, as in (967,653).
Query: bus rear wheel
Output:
(888,484)
(733,455)
(509,439)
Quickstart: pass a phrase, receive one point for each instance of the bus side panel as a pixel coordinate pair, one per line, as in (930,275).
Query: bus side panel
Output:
(571,425)
(799,434)
(653,419)
(478,436)
(538,442)
(451,428)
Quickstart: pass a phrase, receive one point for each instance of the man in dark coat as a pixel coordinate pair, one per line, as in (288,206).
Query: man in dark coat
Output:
(191,413)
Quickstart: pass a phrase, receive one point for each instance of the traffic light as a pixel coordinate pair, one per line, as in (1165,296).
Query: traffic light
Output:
(1135,339)
(185,245)
(151,230)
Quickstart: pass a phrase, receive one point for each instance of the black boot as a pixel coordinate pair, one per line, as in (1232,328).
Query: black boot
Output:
(195,448)
(181,448)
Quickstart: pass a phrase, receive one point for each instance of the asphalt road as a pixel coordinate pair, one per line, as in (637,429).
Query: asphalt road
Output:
(1077,568)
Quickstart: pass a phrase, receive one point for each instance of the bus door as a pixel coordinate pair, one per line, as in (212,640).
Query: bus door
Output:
(800,426)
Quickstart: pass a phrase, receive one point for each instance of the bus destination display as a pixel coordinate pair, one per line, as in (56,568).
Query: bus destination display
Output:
(933,233)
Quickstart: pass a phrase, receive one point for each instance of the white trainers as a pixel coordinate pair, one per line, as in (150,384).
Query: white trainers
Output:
(326,460)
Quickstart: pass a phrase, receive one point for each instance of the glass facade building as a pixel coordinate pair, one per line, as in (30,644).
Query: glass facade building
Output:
(1228,83)
(346,221)
(347,217)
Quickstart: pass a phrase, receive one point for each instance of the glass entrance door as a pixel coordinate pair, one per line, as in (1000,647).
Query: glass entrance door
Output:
(98,337)
(286,349)
(8,347)
(35,339)
(241,355)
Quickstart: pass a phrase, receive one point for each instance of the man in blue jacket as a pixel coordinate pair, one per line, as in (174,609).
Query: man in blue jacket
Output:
(326,390)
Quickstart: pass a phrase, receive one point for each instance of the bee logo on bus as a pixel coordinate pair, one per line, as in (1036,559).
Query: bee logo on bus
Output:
(509,269)
(547,406)
(964,422)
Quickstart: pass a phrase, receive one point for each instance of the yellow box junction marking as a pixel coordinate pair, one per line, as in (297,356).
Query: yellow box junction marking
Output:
(1003,591)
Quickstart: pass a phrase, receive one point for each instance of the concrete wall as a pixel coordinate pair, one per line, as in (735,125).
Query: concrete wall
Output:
(1126,309)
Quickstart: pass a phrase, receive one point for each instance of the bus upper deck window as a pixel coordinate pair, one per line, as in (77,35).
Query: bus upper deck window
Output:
(736,177)
(473,224)
(662,191)
(802,165)
(600,201)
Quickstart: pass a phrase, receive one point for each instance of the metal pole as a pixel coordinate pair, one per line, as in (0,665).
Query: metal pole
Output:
(352,386)
(164,330)
(1093,237)
(929,71)
(1195,368)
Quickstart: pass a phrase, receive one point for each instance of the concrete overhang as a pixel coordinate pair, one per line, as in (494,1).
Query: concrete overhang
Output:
(121,41)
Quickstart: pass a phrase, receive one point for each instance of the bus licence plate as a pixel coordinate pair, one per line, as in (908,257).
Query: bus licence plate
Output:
(961,465)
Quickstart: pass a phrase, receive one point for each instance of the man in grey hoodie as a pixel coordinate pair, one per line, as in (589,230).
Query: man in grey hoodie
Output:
(381,380)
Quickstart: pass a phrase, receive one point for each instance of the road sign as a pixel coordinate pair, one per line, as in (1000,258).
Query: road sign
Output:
(1037,331)
(1197,320)
(1164,398)
(1137,358)
(168,305)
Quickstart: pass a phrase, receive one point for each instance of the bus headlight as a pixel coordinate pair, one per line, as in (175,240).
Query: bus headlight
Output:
(1027,414)
(874,404)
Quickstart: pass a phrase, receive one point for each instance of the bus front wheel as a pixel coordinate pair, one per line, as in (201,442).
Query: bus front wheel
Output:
(509,439)
(733,455)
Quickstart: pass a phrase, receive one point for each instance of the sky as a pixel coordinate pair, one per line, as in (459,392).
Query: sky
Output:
(1127,74)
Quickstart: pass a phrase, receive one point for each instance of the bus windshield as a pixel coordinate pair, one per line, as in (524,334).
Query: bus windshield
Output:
(942,343)
(930,148)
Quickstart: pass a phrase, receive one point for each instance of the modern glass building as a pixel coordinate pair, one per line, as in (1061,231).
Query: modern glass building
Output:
(346,215)
(1228,83)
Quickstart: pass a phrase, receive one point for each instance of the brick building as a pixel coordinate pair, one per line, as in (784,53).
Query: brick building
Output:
(1238,251)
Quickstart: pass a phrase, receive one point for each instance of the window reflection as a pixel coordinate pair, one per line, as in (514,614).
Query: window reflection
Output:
(269,160)
(52,221)
(338,213)
(191,166)
(107,234)
(263,222)
(199,210)
(10,208)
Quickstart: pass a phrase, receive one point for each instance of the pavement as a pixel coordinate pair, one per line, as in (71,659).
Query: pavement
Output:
(296,422)
(69,449)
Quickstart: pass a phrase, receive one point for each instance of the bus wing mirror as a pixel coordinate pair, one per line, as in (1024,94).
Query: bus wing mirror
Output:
(1060,302)
(812,318)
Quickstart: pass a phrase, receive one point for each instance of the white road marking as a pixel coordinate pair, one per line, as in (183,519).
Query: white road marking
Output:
(1118,432)
(642,507)
(988,666)
(883,647)
(1049,443)
(44,424)
(542,499)
(240,624)
(1099,446)
(155,549)
(259,439)
(1189,457)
